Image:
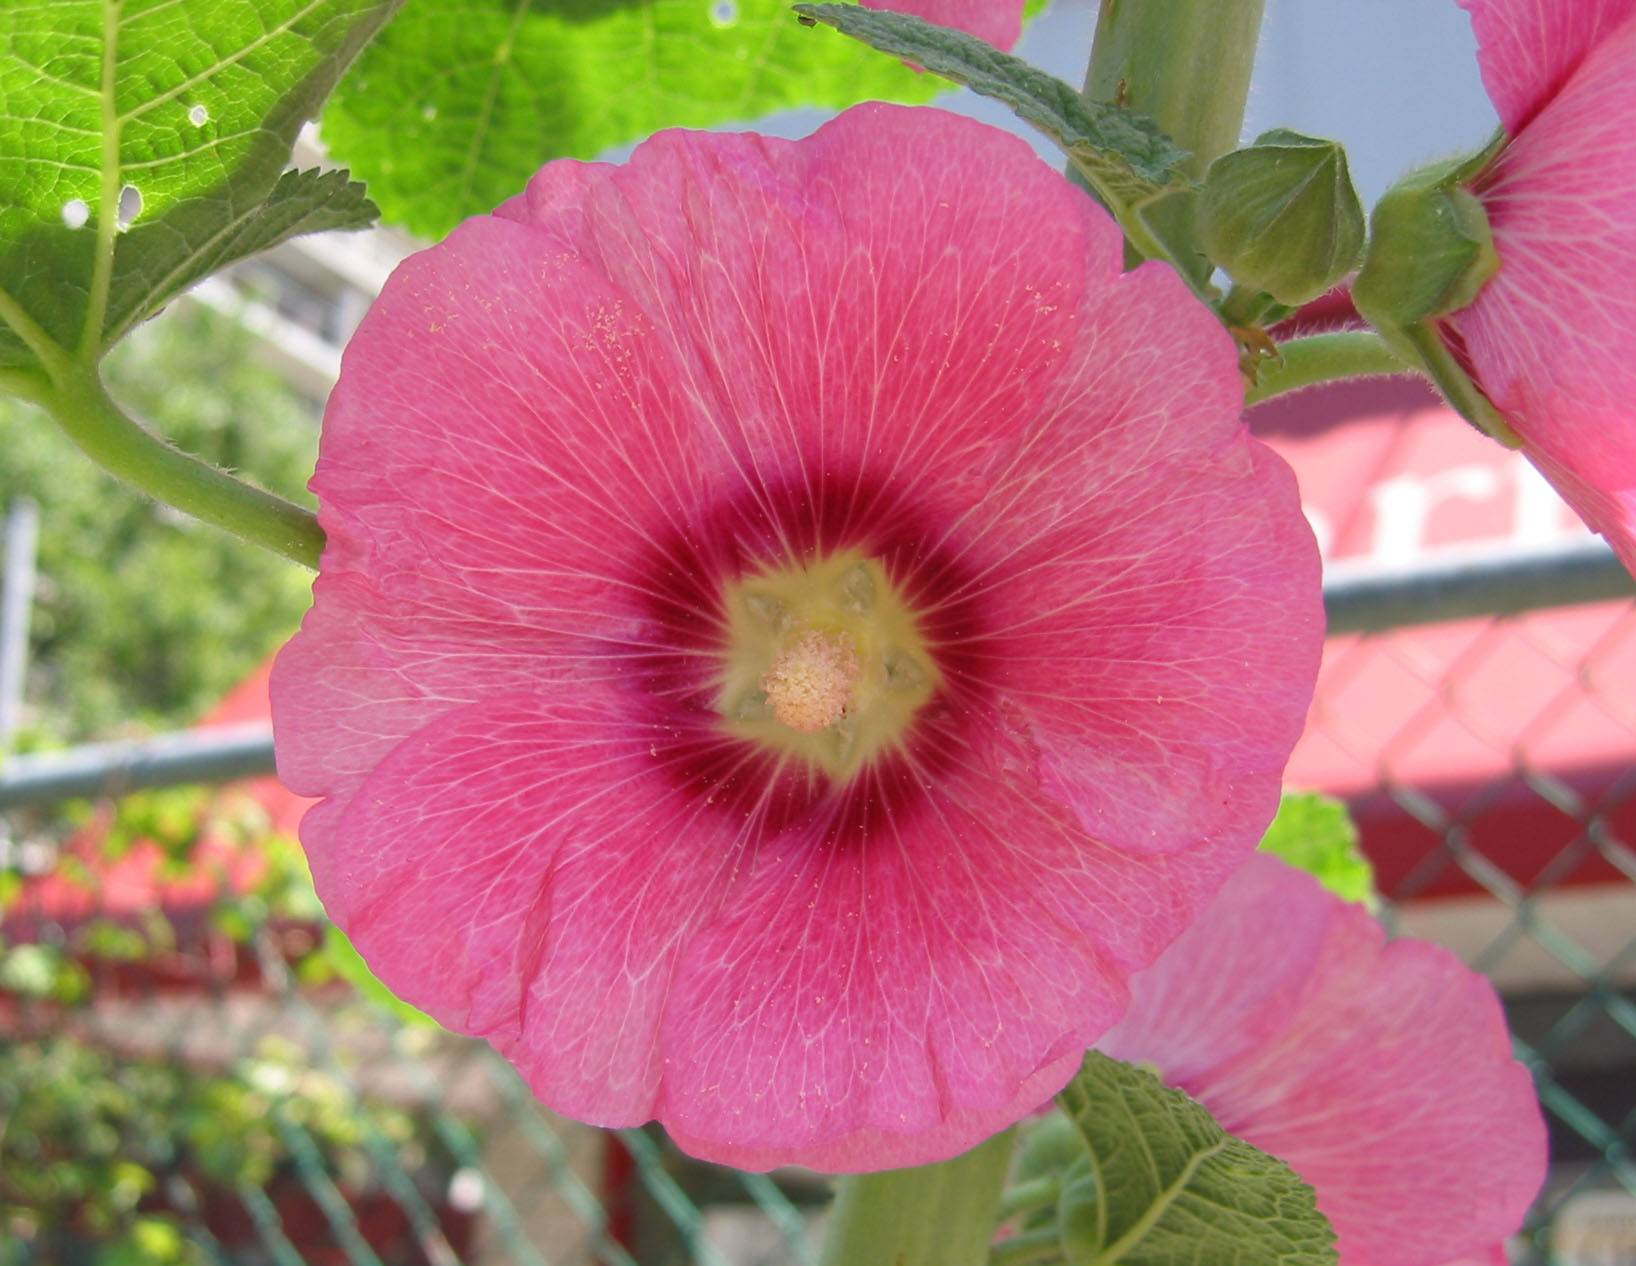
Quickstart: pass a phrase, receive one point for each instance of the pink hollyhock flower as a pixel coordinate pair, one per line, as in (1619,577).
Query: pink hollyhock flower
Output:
(800,626)
(1552,338)
(1380,1072)
(997,21)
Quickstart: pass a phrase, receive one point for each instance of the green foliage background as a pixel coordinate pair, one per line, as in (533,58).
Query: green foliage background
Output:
(1315,833)
(144,618)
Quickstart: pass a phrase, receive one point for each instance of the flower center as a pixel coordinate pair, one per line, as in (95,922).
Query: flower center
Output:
(810,683)
(825,662)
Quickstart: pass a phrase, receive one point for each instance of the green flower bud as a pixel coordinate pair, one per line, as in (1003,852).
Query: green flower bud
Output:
(1282,216)
(1430,250)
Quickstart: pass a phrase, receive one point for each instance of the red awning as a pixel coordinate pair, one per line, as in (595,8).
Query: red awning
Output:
(1507,738)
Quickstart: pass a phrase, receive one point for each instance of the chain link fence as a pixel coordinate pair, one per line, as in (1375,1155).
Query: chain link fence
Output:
(1491,763)
(191,1072)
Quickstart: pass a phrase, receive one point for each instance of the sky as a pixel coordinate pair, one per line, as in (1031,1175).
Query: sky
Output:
(1394,80)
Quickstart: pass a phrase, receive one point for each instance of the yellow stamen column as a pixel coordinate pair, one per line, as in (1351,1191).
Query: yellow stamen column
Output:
(825,662)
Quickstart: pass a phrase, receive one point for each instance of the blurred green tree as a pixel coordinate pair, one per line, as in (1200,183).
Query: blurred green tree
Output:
(143,618)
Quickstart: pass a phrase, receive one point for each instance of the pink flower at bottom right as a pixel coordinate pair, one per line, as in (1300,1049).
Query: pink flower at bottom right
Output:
(1380,1071)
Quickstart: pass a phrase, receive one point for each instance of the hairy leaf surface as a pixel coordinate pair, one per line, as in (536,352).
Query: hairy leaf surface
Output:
(1167,1186)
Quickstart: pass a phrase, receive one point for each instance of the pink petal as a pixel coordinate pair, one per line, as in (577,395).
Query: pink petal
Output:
(820,271)
(1381,1073)
(1529,49)
(997,21)
(1552,337)
(556,436)
(517,870)
(903,994)
(1177,594)
(552,383)
(867,1149)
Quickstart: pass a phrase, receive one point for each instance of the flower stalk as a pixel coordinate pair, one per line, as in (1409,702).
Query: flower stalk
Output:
(1321,358)
(933,1215)
(82,407)
(1467,398)
(1187,63)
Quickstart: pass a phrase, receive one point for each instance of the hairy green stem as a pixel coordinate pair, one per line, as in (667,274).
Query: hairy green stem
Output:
(1185,62)
(1452,380)
(1319,358)
(83,409)
(936,1215)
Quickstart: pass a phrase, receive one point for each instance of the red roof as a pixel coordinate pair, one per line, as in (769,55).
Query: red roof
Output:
(1512,733)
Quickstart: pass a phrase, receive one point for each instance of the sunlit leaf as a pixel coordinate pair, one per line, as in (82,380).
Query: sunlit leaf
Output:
(459,102)
(142,145)
(349,965)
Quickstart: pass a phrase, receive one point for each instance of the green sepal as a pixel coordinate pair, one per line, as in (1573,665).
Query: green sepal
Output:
(1430,253)
(1282,215)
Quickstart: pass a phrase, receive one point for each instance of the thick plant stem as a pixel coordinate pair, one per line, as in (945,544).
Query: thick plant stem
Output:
(83,409)
(936,1215)
(1319,358)
(1185,62)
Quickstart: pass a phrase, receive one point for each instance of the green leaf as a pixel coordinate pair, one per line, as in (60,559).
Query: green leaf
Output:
(461,101)
(1315,833)
(1167,1186)
(185,112)
(1124,155)
(301,202)
(42,971)
(347,963)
